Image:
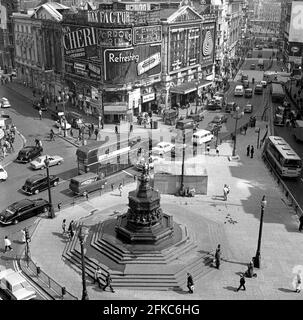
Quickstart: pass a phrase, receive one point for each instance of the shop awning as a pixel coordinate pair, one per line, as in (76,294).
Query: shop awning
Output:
(188,87)
(115,109)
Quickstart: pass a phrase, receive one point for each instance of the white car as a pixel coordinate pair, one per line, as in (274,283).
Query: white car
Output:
(3,174)
(14,285)
(263,83)
(60,123)
(39,163)
(163,147)
(5,103)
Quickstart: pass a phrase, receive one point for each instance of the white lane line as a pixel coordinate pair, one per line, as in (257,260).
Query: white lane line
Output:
(128,173)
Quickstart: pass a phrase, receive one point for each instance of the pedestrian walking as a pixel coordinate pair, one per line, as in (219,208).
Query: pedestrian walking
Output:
(116,129)
(120,189)
(217,151)
(71,229)
(40,114)
(64,227)
(108,283)
(90,132)
(96,133)
(207,149)
(226,190)
(242,282)
(190,283)
(298,282)
(85,194)
(301,223)
(7,244)
(71,132)
(252,152)
(40,143)
(218,256)
(98,275)
(52,135)
(248,150)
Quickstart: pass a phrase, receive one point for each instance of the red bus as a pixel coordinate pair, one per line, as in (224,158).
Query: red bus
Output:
(105,157)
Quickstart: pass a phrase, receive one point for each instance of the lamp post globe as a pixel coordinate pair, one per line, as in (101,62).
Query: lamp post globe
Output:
(257,258)
(51,208)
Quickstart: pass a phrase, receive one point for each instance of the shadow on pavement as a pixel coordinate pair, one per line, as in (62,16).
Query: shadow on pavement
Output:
(218,197)
(286,290)
(230,288)
(64,238)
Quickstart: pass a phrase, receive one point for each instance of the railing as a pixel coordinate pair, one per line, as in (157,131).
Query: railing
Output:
(53,288)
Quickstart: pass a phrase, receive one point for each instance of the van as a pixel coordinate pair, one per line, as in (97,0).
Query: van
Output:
(239,91)
(261,63)
(186,124)
(202,136)
(248,92)
(88,182)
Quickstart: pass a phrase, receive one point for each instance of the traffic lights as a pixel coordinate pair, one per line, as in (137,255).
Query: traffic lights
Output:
(27,236)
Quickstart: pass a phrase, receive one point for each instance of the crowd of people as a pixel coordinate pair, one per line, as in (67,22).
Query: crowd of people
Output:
(7,142)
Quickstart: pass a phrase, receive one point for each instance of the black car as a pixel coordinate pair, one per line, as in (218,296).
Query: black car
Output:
(219,119)
(231,106)
(212,105)
(29,153)
(39,182)
(23,209)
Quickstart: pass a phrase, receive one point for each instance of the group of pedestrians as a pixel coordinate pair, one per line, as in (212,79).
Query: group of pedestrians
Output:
(70,231)
(250,151)
(8,140)
(98,279)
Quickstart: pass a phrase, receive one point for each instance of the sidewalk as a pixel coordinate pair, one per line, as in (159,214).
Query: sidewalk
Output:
(237,228)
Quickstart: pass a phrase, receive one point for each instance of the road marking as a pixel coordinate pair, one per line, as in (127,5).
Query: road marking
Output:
(128,173)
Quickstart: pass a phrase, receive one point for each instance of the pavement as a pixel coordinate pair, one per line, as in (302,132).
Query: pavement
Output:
(238,218)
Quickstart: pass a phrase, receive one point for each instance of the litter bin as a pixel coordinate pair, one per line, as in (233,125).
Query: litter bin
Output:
(155,125)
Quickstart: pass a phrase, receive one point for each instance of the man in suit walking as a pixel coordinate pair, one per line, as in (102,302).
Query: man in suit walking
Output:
(242,282)
(108,283)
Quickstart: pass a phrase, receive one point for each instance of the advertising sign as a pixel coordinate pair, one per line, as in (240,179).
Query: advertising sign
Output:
(207,44)
(296,22)
(109,17)
(148,97)
(147,34)
(83,68)
(79,41)
(184,46)
(114,37)
(131,64)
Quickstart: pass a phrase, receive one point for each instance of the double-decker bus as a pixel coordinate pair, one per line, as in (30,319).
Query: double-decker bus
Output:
(105,157)
(277,92)
(282,157)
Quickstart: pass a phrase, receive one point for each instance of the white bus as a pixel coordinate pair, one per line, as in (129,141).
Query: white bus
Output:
(282,157)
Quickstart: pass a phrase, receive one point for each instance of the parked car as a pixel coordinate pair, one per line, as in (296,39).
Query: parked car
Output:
(38,183)
(245,84)
(162,147)
(263,83)
(231,106)
(211,105)
(219,119)
(75,119)
(248,92)
(28,154)
(3,174)
(15,287)
(248,108)
(39,163)
(23,209)
(253,66)
(212,127)
(4,103)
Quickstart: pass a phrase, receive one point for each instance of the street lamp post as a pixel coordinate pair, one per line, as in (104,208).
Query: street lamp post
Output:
(51,213)
(182,170)
(64,100)
(81,240)
(237,115)
(257,258)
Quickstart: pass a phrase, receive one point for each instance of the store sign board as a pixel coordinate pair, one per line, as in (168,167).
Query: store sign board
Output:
(131,64)
(114,37)
(79,41)
(109,17)
(296,22)
(148,97)
(147,34)
(83,69)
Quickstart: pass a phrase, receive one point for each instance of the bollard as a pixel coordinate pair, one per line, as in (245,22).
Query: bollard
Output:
(63,292)
(38,271)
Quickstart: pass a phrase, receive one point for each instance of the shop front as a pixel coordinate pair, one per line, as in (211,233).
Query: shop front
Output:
(147,101)
(187,92)
(116,112)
